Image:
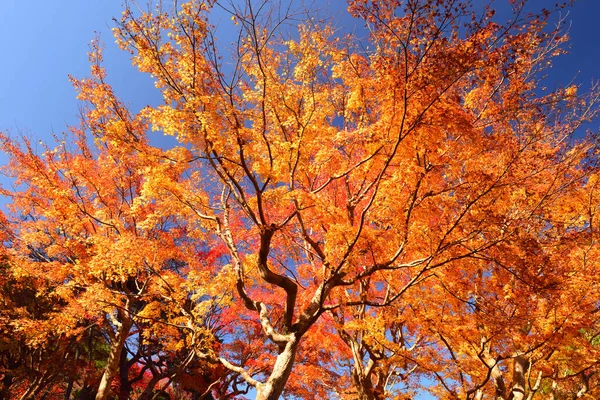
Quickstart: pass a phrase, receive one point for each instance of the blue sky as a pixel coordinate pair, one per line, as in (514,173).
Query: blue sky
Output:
(42,42)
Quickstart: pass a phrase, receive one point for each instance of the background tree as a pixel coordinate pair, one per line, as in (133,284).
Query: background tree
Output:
(98,255)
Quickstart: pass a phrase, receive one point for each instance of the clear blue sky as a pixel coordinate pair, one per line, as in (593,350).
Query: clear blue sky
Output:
(42,42)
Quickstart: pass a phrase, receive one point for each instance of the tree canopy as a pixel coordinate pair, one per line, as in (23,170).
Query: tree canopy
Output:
(370,215)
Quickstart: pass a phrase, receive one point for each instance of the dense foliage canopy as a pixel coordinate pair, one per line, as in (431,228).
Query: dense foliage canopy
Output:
(399,210)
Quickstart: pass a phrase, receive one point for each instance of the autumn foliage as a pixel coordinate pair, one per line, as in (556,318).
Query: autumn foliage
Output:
(382,214)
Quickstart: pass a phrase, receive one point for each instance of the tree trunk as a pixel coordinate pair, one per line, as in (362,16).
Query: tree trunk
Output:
(6,383)
(125,387)
(149,389)
(272,389)
(69,389)
(363,385)
(114,356)
(521,365)
(86,393)
(37,386)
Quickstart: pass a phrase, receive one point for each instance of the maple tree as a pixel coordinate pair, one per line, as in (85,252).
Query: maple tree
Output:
(342,216)
(106,261)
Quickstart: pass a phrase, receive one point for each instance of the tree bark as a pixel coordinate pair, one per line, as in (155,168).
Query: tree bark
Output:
(6,383)
(149,389)
(521,365)
(363,386)
(69,389)
(125,387)
(272,389)
(114,357)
